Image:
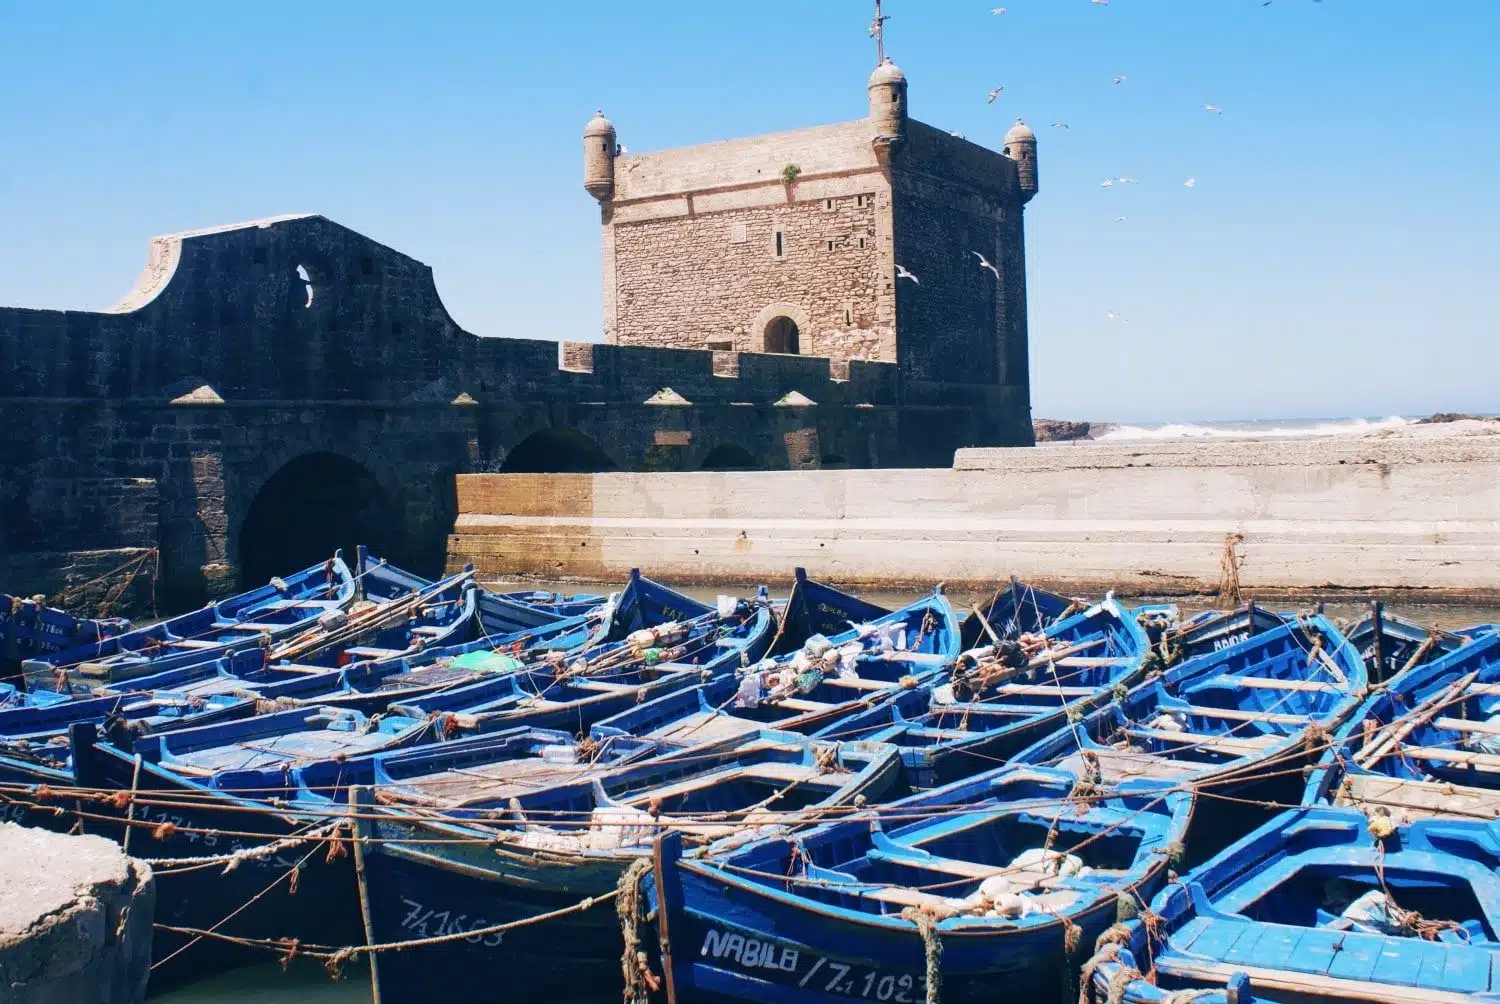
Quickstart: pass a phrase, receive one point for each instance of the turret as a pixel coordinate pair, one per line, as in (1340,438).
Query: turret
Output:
(888,100)
(1020,146)
(599,152)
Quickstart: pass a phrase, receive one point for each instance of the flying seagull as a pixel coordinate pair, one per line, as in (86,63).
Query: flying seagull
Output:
(1128,181)
(1059,125)
(1107,183)
(1120,78)
(1102,3)
(997,11)
(902,273)
(996,93)
(1116,317)
(1119,219)
(985,263)
(1213,108)
(1190,183)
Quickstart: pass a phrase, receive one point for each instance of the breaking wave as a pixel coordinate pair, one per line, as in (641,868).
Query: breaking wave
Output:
(1257,430)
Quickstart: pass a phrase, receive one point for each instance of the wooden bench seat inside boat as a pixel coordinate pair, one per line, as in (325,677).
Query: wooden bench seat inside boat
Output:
(1487,762)
(1466,725)
(255,626)
(856,683)
(601,686)
(1234,715)
(193,643)
(1042,690)
(705,725)
(798,704)
(1228,745)
(370,652)
(1419,799)
(428,630)
(1268,683)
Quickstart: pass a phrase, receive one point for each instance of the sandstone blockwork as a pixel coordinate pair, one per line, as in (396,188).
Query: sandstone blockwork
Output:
(273,390)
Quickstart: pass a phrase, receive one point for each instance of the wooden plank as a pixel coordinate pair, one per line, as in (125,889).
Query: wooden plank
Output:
(1468,725)
(1229,745)
(1246,716)
(1042,690)
(855,683)
(798,704)
(1485,689)
(193,643)
(1316,987)
(599,686)
(1270,683)
(1393,734)
(1087,660)
(1479,761)
(1420,799)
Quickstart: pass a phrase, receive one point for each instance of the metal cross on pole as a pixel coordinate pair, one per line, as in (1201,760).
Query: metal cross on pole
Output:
(877,32)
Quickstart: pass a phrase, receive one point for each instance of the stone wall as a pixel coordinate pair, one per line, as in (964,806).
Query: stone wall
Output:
(222,415)
(716,278)
(1300,518)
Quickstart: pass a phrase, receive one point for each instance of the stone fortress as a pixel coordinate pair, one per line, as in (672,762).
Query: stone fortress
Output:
(274,389)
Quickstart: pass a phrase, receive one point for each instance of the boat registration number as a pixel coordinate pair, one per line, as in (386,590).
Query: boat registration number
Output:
(778,963)
(1230,640)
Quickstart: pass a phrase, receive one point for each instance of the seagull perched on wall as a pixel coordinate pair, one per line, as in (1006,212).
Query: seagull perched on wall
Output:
(996,93)
(902,273)
(985,263)
(1213,108)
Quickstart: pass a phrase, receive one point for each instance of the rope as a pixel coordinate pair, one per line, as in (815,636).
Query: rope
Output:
(640,981)
(932,949)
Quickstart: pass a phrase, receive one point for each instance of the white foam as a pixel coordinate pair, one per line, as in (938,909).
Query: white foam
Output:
(1232,430)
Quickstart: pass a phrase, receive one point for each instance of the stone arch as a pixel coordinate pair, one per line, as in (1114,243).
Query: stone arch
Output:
(730,457)
(762,323)
(311,506)
(557,451)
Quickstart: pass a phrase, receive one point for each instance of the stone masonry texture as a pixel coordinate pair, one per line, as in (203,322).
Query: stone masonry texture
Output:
(273,389)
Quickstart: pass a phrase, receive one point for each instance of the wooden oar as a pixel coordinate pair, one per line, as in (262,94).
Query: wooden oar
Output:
(1392,735)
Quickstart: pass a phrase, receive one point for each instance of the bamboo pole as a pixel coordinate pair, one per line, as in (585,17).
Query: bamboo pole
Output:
(357,833)
(1398,730)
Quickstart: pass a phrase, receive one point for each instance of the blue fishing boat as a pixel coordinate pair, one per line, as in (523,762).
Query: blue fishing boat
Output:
(202,793)
(29,628)
(657,641)
(1314,906)
(1240,724)
(1215,630)
(251,619)
(1390,644)
(809,689)
(559,604)
(1014,610)
(1006,695)
(814,608)
(992,886)
(42,724)
(494,854)
(1426,744)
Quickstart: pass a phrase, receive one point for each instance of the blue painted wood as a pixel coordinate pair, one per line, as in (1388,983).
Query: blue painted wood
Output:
(818,915)
(1273,903)
(711,709)
(1166,727)
(1014,610)
(944,739)
(249,620)
(1400,641)
(1410,689)
(29,628)
(1216,630)
(494,860)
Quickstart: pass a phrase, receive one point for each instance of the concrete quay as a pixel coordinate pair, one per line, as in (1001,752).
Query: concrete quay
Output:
(1413,517)
(75,920)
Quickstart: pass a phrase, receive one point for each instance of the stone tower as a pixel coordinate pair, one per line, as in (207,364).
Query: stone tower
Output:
(1020,146)
(788,244)
(888,100)
(599,151)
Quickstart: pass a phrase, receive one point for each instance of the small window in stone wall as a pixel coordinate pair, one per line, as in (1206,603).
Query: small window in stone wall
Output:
(827,203)
(738,233)
(862,243)
(366,265)
(849,314)
(780,244)
(860,201)
(832,245)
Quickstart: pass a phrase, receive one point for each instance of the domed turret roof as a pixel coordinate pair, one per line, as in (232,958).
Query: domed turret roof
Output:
(599,126)
(1020,131)
(887,73)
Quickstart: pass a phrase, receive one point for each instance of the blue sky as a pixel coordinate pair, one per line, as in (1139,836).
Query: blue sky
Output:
(1338,256)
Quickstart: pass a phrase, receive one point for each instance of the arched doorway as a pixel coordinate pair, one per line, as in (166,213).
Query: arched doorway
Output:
(783,336)
(312,506)
(557,451)
(730,457)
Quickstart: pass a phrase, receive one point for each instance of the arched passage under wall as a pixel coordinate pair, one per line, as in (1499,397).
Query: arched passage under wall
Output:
(557,451)
(309,508)
(730,457)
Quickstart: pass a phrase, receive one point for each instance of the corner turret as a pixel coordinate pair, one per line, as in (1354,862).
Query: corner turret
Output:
(1020,146)
(888,100)
(599,151)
